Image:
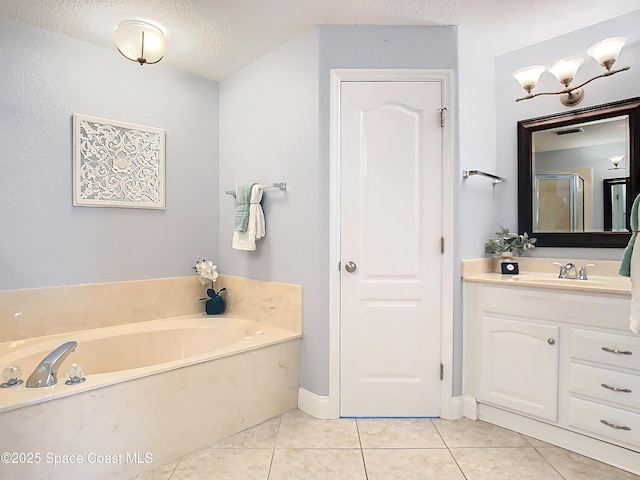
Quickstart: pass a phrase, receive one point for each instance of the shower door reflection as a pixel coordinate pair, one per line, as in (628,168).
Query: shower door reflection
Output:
(558,203)
(615,204)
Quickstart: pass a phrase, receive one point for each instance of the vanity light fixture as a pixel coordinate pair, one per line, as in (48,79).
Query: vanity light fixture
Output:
(140,41)
(604,52)
(616,160)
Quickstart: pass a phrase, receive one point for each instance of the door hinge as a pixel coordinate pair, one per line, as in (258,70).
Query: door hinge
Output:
(441,244)
(441,372)
(443,116)
(340,266)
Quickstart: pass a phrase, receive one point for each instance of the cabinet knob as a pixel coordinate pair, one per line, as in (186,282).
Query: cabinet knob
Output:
(551,341)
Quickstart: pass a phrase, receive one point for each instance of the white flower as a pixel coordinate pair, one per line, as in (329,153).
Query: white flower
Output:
(207,271)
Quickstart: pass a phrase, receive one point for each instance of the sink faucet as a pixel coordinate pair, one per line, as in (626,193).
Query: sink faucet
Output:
(46,372)
(564,269)
(582,274)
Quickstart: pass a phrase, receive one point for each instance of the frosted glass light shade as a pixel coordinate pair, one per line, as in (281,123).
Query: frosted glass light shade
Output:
(606,51)
(528,76)
(616,160)
(565,70)
(140,41)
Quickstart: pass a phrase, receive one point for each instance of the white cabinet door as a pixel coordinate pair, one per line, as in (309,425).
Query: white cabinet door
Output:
(519,366)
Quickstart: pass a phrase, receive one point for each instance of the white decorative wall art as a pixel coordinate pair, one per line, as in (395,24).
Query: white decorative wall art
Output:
(117,164)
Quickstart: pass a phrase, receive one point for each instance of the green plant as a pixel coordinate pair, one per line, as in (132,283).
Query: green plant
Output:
(506,241)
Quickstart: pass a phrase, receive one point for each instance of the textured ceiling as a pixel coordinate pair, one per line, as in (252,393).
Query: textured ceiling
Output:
(214,38)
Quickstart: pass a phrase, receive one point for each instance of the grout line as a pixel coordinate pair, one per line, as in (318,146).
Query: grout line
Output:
(364,463)
(175,468)
(449,450)
(548,462)
(275,442)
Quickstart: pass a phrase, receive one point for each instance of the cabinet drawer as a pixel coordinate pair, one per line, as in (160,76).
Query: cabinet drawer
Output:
(605,348)
(624,427)
(606,385)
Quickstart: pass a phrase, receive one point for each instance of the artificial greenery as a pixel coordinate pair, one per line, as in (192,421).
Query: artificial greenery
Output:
(506,241)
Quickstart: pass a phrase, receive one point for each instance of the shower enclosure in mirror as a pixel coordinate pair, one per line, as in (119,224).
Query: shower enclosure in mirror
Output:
(558,202)
(577,175)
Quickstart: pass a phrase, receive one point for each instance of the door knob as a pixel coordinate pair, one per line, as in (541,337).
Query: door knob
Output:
(350,267)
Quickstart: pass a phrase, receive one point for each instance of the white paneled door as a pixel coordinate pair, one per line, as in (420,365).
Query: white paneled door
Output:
(391,230)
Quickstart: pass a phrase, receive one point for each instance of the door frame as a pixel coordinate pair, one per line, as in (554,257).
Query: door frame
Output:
(445,77)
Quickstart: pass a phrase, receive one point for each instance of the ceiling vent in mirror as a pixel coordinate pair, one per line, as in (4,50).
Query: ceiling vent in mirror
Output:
(569,131)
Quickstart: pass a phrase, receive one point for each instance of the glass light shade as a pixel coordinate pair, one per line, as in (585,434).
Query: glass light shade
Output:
(606,51)
(616,160)
(528,76)
(140,41)
(565,70)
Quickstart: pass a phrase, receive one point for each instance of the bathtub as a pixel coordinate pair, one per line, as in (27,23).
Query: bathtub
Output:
(153,392)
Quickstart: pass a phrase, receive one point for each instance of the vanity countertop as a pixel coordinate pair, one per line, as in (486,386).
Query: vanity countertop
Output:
(604,284)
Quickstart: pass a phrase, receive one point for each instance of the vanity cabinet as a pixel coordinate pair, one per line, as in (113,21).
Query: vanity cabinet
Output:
(519,366)
(555,364)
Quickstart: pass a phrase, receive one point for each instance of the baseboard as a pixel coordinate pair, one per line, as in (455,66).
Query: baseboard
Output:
(470,407)
(600,450)
(315,405)
(452,408)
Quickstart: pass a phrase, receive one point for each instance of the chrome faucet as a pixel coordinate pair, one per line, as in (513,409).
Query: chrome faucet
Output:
(564,269)
(582,274)
(46,373)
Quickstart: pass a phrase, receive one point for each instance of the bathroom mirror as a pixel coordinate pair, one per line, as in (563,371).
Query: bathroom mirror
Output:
(578,174)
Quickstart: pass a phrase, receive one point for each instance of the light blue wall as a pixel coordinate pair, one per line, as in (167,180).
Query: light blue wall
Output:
(269,133)
(475,197)
(619,87)
(274,124)
(44,240)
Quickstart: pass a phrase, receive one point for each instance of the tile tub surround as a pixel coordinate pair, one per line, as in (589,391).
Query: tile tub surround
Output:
(167,415)
(279,304)
(36,312)
(381,449)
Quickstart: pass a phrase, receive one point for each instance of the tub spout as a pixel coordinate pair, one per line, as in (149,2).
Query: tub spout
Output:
(46,372)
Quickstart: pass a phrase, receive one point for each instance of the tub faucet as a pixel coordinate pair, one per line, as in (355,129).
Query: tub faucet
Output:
(46,373)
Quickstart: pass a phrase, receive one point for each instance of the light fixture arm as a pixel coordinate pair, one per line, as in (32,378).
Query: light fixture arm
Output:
(608,73)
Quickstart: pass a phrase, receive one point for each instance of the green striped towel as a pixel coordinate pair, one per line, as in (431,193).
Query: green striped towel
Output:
(625,266)
(243,202)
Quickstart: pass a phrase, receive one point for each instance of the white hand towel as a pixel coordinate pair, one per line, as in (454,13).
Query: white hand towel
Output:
(635,289)
(255,228)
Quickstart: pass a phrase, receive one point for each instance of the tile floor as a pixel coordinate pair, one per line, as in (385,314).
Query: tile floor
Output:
(296,446)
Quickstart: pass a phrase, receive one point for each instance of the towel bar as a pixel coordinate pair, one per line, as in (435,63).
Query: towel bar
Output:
(496,178)
(280,185)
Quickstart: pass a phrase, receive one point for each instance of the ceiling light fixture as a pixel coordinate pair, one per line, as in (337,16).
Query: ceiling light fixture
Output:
(140,41)
(604,52)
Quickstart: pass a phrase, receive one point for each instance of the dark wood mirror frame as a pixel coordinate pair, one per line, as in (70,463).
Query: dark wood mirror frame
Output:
(526,128)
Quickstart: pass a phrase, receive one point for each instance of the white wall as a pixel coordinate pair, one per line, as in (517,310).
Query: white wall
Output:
(44,240)
(619,87)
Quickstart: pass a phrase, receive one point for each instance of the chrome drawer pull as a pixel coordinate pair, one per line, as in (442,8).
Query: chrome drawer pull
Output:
(619,352)
(617,427)
(615,389)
